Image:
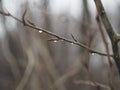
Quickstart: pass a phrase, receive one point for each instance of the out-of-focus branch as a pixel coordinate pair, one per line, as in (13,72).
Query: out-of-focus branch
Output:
(11,59)
(107,51)
(112,35)
(88,35)
(30,24)
(28,70)
(96,84)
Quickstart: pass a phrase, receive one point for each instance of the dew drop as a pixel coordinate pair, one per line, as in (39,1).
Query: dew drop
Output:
(55,41)
(40,31)
(92,53)
(72,43)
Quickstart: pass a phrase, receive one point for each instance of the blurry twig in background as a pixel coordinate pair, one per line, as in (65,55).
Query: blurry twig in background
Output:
(96,84)
(7,52)
(112,79)
(11,59)
(88,35)
(28,71)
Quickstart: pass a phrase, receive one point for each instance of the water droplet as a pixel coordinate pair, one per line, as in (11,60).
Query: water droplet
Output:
(92,53)
(40,31)
(55,41)
(72,43)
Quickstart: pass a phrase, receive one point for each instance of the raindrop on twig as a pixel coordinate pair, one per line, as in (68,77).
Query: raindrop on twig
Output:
(55,41)
(40,31)
(72,43)
(92,53)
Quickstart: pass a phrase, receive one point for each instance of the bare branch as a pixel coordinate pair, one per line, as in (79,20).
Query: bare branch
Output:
(30,22)
(74,38)
(112,35)
(58,36)
(107,50)
(23,17)
(28,71)
(96,84)
(105,20)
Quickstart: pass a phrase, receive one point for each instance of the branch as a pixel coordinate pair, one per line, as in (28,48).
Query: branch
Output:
(112,79)
(92,84)
(53,34)
(112,35)
(28,71)
(105,20)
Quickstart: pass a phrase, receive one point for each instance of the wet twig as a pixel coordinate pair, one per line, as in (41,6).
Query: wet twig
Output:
(52,34)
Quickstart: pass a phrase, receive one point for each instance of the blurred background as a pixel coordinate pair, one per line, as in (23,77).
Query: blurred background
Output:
(30,61)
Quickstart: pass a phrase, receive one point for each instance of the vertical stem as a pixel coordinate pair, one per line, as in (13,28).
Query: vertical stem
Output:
(112,35)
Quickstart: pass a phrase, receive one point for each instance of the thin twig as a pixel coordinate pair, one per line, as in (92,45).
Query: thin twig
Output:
(55,35)
(96,84)
(107,50)
(74,38)
(23,17)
